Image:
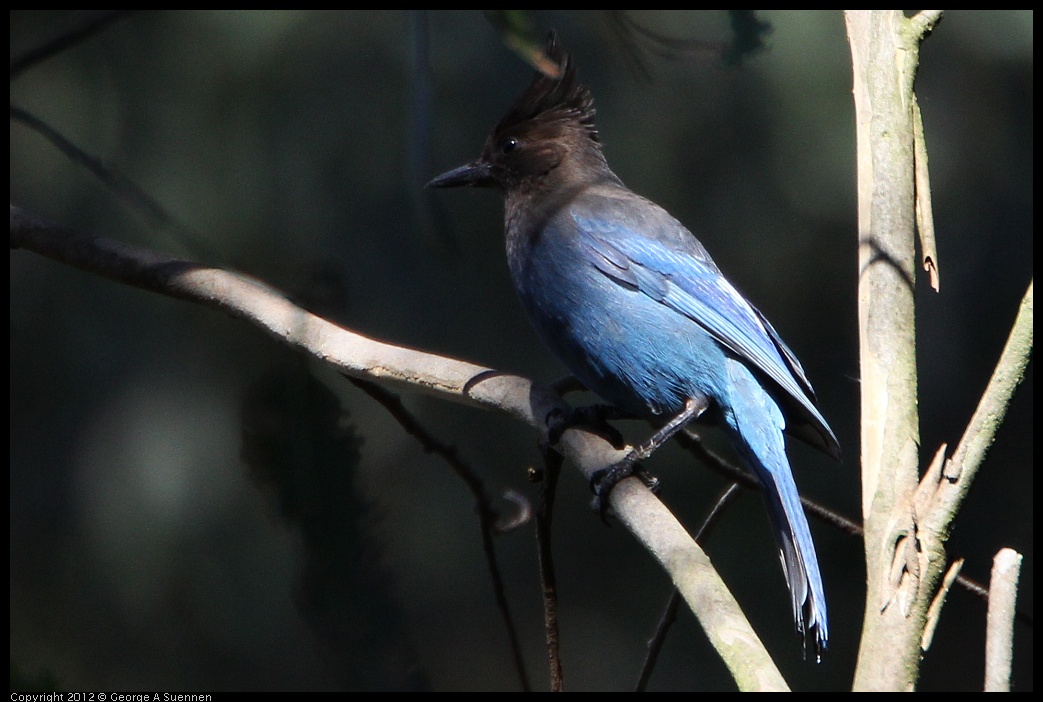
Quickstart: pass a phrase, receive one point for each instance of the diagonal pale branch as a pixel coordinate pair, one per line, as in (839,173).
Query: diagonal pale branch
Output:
(958,473)
(408,369)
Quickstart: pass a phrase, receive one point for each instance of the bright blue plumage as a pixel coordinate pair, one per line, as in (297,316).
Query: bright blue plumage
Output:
(636,308)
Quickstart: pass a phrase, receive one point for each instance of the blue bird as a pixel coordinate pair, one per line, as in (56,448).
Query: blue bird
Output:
(633,304)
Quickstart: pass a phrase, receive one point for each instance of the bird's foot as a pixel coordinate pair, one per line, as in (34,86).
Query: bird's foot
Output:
(603,481)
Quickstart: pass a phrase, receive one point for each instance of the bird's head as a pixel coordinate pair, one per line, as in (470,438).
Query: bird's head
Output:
(550,125)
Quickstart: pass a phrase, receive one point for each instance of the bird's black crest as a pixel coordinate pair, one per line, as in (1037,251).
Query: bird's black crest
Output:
(554,99)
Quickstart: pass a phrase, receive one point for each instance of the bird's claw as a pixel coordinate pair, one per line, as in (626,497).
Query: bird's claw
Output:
(557,422)
(603,481)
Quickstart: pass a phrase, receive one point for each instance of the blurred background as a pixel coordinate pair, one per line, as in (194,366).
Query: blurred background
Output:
(195,507)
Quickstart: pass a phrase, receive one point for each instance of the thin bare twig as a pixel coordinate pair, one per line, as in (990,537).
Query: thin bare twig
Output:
(125,190)
(924,208)
(487,516)
(62,42)
(552,461)
(669,616)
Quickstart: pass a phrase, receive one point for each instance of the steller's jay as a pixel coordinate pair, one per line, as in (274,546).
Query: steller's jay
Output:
(635,307)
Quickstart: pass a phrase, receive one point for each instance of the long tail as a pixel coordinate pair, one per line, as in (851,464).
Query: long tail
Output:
(757,425)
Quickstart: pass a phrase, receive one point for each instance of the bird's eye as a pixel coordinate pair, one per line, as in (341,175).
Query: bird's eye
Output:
(508,145)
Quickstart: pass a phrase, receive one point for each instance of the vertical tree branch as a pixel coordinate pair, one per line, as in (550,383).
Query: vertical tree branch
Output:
(999,641)
(885,51)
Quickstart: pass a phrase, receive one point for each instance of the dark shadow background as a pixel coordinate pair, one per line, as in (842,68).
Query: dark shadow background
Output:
(146,553)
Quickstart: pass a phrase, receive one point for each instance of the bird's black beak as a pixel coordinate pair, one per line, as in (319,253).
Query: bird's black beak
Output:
(476,175)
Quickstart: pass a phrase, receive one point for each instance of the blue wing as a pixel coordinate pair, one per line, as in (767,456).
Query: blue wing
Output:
(664,261)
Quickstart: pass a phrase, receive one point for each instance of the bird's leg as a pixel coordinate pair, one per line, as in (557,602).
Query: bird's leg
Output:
(605,479)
